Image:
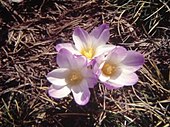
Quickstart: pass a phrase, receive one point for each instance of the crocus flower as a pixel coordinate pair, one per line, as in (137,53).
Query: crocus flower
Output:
(72,76)
(117,69)
(91,44)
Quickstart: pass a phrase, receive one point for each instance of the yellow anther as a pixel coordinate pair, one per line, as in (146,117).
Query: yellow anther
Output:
(74,78)
(89,53)
(108,69)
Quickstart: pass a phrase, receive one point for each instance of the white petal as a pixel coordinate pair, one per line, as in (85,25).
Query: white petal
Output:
(80,38)
(103,78)
(59,93)
(57,76)
(97,70)
(104,50)
(125,79)
(81,93)
(116,74)
(129,69)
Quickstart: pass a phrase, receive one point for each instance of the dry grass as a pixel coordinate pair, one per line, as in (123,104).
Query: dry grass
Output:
(30,30)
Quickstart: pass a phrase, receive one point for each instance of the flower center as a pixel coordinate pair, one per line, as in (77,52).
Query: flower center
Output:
(109,69)
(89,53)
(74,78)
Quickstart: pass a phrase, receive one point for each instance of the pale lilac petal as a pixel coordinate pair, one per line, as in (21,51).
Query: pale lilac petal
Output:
(79,62)
(95,68)
(91,62)
(99,62)
(66,59)
(57,77)
(90,77)
(92,82)
(133,61)
(80,38)
(59,93)
(104,50)
(81,93)
(100,35)
(67,46)
(117,54)
(125,79)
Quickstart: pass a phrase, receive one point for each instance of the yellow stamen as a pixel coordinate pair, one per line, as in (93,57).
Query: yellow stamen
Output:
(109,69)
(89,53)
(74,78)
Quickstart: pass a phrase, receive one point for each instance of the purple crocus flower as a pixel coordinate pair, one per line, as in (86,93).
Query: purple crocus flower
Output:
(117,69)
(72,76)
(91,44)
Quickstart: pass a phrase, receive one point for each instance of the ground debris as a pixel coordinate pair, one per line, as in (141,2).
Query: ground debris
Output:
(29,31)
